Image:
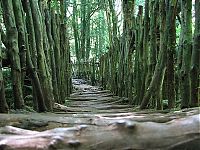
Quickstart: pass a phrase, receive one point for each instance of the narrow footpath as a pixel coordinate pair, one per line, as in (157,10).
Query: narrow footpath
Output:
(95,119)
(93,99)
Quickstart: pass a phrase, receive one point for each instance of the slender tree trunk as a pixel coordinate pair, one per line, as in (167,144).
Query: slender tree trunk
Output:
(23,40)
(56,38)
(171,47)
(12,38)
(138,56)
(186,8)
(128,47)
(42,66)
(153,45)
(36,83)
(3,103)
(19,13)
(32,48)
(195,76)
(114,47)
(76,37)
(52,55)
(145,50)
(83,37)
(157,79)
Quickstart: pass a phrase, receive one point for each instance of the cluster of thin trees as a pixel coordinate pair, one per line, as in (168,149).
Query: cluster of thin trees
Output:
(144,61)
(34,33)
(147,63)
(89,31)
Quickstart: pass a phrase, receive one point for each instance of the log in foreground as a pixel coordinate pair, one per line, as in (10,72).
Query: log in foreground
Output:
(180,134)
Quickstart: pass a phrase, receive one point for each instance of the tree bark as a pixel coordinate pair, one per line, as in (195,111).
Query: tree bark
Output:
(42,66)
(171,47)
(157,79)
(118,135)
(195,81)
(52,55)
(19,18)
(3,103)
(12,38)
(186,9)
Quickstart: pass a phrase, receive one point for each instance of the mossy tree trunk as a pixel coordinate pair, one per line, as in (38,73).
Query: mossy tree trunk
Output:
(19,13)
(157,79)
(56,38)
(145,50)
(186,9)
(195,76)
(3,103)
(128,42)
(52,55)
(13,48)
(171,47)
(76,37)
(38,98)
(139,34)
(30,47)
(114,46)
(42,66)
(153,45)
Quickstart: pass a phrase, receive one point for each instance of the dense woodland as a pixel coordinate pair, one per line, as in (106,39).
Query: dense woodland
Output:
(147,51)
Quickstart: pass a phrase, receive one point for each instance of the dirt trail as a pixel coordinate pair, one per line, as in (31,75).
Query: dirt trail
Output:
(93,100)
(96,119)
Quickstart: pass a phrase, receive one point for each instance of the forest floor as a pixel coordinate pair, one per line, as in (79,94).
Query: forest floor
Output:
(96,119)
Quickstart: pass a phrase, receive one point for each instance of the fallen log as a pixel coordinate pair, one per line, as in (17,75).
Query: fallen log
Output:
(183,133)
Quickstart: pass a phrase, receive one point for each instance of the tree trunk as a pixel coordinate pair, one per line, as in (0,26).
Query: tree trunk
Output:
(186,8)
(3,103)
(52,55)
(195,77)
(42,66)
(157,79)
(56,38)
(76,38)
(12,38)
(114,47)
(171,47)
(38,101)
(145,50)
(19,14)
(153,45)
(138,56)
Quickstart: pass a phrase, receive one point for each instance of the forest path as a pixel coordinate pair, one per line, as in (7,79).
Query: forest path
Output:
(94,119)
(94,100)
